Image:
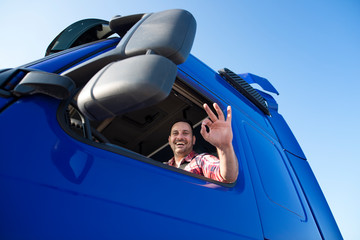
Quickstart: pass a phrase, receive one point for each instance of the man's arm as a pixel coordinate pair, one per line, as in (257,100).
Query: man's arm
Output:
(220,135)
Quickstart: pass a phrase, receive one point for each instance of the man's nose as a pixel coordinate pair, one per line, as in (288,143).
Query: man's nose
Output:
(180,137)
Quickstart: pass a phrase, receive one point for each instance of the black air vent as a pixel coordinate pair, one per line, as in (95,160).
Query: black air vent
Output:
(245,89)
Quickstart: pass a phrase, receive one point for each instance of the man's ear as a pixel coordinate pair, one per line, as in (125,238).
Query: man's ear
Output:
(194,139)
(169,139)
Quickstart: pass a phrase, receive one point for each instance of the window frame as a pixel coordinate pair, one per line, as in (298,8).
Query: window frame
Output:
(181,87)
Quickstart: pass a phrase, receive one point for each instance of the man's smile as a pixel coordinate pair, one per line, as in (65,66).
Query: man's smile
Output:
(180,144)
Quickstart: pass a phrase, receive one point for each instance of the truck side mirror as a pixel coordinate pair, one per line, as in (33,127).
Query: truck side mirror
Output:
(168,33)
(127,85)
(141,70)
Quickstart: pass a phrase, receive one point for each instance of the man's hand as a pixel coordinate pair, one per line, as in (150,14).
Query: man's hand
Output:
(220,133)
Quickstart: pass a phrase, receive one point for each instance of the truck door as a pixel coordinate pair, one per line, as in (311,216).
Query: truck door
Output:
(126,166)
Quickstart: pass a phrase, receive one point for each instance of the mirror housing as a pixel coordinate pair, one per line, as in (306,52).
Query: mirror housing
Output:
(127,85)
(168,33)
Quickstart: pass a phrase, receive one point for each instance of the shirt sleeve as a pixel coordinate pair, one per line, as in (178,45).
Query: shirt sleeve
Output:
(206,165)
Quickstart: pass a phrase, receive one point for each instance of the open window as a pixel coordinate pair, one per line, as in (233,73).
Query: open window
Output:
(144,131)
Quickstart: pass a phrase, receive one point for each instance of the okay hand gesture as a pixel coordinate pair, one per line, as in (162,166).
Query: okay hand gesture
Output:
(220,132)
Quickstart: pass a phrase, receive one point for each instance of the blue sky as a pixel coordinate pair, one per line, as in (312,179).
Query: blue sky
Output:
(308,49)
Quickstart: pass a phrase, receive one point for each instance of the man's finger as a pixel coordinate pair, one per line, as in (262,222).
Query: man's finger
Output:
(203,131)
(219,112)
(206,122)
(229,115)
(210,113)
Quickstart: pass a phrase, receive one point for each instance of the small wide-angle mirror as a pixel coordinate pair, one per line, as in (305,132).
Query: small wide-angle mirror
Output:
(127,85)
(80,32)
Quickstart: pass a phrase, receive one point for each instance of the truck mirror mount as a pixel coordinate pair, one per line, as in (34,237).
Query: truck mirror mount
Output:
(53,85)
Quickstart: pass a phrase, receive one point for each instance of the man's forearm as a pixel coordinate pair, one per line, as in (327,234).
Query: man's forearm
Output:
(229,167)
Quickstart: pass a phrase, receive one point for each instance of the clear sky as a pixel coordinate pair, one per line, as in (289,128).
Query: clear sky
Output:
(309,50)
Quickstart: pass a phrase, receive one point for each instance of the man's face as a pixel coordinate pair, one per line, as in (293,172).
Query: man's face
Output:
(181,139)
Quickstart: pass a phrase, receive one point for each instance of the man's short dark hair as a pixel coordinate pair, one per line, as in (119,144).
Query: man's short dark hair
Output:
(185,121)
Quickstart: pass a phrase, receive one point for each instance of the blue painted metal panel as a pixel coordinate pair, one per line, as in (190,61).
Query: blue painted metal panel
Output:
(57,182)
(271,102)
(315,198)
(282,206)
(4,102)
(285,135)
(53,64)
(274,175)
(263,82)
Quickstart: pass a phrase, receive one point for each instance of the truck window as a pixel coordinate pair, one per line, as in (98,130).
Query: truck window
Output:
(144,131)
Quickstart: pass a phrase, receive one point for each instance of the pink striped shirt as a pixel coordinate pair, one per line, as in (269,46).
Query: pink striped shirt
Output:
(202,164)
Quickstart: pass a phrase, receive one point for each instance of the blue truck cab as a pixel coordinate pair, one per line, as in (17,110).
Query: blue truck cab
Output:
(84,134)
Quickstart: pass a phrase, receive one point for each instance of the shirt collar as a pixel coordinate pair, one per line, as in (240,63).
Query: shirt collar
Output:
(186,159)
